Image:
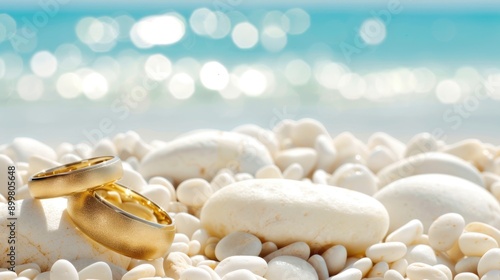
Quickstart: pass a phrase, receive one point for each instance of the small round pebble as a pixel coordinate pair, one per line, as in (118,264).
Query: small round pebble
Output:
(445,231)
(63,270)
(238,243)
(287,267)
(256,265)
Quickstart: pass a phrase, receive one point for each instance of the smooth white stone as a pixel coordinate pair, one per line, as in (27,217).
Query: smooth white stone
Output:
(201,155)
(240,274)
(69,158)
(140,271)
(266,137)
(364,265)
(491,275)
(268,172)
(156,263)
(348,274)
(400,266)
(21,267)
(227,211)
(64,148)
(421,143)
(158,194)
(210,271)
(440,194)
(349,150)
(238,244)
(202,236)
(243,176)
(267,248)
(320,177)
(293,172)
(467,264)
(194,247)
(466,276)
(407,233)
(445,270)
(29,273)
(175,263)
(489,261)
(421,253)
(117,271)
(305,131)
(133,162)
(181,237)
(386,252)
(83,150)
(354,177)
(104,147)
(195,273)
(46,233)
(288,267)
(335,258)
(378,270)
(476,244)
(445,231)
(379,158)
(319,265)
(166,183)
(483,228)
(326,151)
(38,164)
(8,275)
(194,192)
(132,180)
(44,276)
(489,179)
(179,247)
(422,271)
(22,148)
(63,270)
(429,163)
(297,249)
(186,223)
(5,162)
(392,274)
(383,139)
(141,149)
(221,180)
(305,157)
(467,150)
(177,207)
(256,265)
(98,270)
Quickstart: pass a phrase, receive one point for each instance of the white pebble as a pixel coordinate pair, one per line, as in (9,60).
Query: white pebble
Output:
(466,276)
(429,163)
(392,274)
(400,266)
(468,149)
(256,265)
(293,172)
(64,148)
(141,149)
(335,258)
(378,270)
(179,247)
(305,131)
(22,148)
(98,270)
(421,143)
(240,274)
(194,192)
(445,231)
(132,180)
(194,247)
(364,265)
(38,163)
(238,243)
(305,157)
(327,154)
(491,275)
(221,180)
(158,194)
(268,172)
(386,140)
(422,271)
(267,248)
(69,158)
(63,270)
(186,223)
(348,274)
(387,252)
(355,177)
(307,205)
(421,254)
(202,154)
(83,150)
(195,273)
(406,233)
(287,267)
(156,263)
(7,275)
(476,244)
(140,271)
(320,177)
(319,265)
(489,261)
(379,158)
(264,136)
(484,228)
(404,198)
(445,270)
(467,264)
(104,147)
(297,249)
(201,235)
(174,263)
(166,183)
(30,273)
(210,270)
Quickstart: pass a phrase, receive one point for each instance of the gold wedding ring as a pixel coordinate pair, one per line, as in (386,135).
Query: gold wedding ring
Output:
(75,177)
(122,220)
(109,213)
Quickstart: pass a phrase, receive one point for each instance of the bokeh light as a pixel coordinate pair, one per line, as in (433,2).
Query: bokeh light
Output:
(2,68)
(158,30)
(30,88)
(181,86)
(231,91)
(448,91)
(298,21)
(100,34)
(352,86)
(297,72)
(373,31)
(252,82)
(14,63)
(425,80)
(328,74)
(43,64)
(69,85)
(214,75)
(245,35)
(158,67)
(68,56)
(8,27)
(273,38)
(95,85)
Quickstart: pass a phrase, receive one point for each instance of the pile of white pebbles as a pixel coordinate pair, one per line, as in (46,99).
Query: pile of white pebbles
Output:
(292,202)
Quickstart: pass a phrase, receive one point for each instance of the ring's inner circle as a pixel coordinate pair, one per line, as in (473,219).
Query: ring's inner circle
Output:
(72,166)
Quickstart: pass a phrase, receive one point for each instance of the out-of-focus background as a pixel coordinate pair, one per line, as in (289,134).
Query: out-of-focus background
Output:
(74,70)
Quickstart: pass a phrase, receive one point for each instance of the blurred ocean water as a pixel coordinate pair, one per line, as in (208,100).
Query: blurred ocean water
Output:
(164,68)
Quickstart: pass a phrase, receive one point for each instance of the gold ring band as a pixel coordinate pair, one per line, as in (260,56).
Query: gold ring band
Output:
(75,177)
(123,221)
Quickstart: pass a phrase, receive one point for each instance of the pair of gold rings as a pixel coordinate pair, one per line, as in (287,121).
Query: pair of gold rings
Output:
(107,212)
